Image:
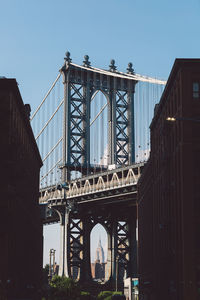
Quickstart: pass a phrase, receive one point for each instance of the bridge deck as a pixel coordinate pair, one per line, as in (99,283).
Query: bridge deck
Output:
(118,187)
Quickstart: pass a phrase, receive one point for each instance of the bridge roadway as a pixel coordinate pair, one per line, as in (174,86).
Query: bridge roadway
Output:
(108,189)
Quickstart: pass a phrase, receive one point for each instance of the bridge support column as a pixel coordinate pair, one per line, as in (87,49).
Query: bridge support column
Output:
(131,123)
(86,128)
(115,257)
(85,268)
(109,271)
(132,268)
(64,243)
(112,125)
(66,129)
(122,249)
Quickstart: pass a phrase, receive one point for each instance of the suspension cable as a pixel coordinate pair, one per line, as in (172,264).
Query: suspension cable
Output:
(95,93)
(102,109)
(50,170)
(52,149)
(135,77)
(47,94)
(49,120)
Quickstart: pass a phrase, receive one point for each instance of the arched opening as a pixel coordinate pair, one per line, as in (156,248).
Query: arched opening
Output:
(99,131)
(51,236)
(98,250)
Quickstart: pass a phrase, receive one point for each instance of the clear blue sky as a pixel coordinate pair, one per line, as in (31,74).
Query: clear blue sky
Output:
(34,36)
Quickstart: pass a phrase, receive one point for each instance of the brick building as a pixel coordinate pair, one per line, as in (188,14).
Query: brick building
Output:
(169,192)
(21,241)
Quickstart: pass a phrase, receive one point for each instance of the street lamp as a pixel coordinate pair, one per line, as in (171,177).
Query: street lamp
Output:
(174,119)
(51,266)
(171,119)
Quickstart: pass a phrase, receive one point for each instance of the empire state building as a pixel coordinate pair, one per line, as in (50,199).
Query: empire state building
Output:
(100,253)
(98,267)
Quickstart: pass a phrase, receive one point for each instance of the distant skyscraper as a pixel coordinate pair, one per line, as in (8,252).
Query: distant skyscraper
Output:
(99,253)
(98,267)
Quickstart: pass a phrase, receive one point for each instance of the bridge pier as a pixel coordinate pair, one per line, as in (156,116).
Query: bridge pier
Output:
(74,258)
(64,244)
(133,267)
(85,270)
(123,248)
(75,245)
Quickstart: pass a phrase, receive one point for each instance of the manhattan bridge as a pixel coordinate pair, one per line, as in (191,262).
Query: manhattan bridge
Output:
(92,130)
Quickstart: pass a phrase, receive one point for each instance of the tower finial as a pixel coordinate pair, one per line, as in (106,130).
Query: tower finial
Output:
(86,62)
(67,58)
(112,66)
(130,69)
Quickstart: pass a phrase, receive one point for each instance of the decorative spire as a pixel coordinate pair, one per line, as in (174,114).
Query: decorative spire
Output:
(99,245)
(67,58)
(130,69)
(112,66)
(99,252)
(86,62)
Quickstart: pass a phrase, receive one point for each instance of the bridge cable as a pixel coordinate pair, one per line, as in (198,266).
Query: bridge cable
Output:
(51,169)
(99,113)
(47,94)
(49,119)
(135,77)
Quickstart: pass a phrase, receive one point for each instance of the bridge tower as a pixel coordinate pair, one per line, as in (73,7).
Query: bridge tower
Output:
(80,85)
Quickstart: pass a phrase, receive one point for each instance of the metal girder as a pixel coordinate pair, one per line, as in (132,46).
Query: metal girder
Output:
(123,249)
(122,138)
(76,247)
(77,130)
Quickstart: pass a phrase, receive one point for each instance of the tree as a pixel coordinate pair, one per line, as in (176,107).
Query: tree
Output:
(85,295)
(45,274)
(107,295)
(63,288)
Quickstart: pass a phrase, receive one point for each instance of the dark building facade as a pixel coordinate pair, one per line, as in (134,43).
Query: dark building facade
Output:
(21,240)
(169,192)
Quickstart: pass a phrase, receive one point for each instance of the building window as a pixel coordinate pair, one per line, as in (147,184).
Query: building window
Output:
(195,90)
